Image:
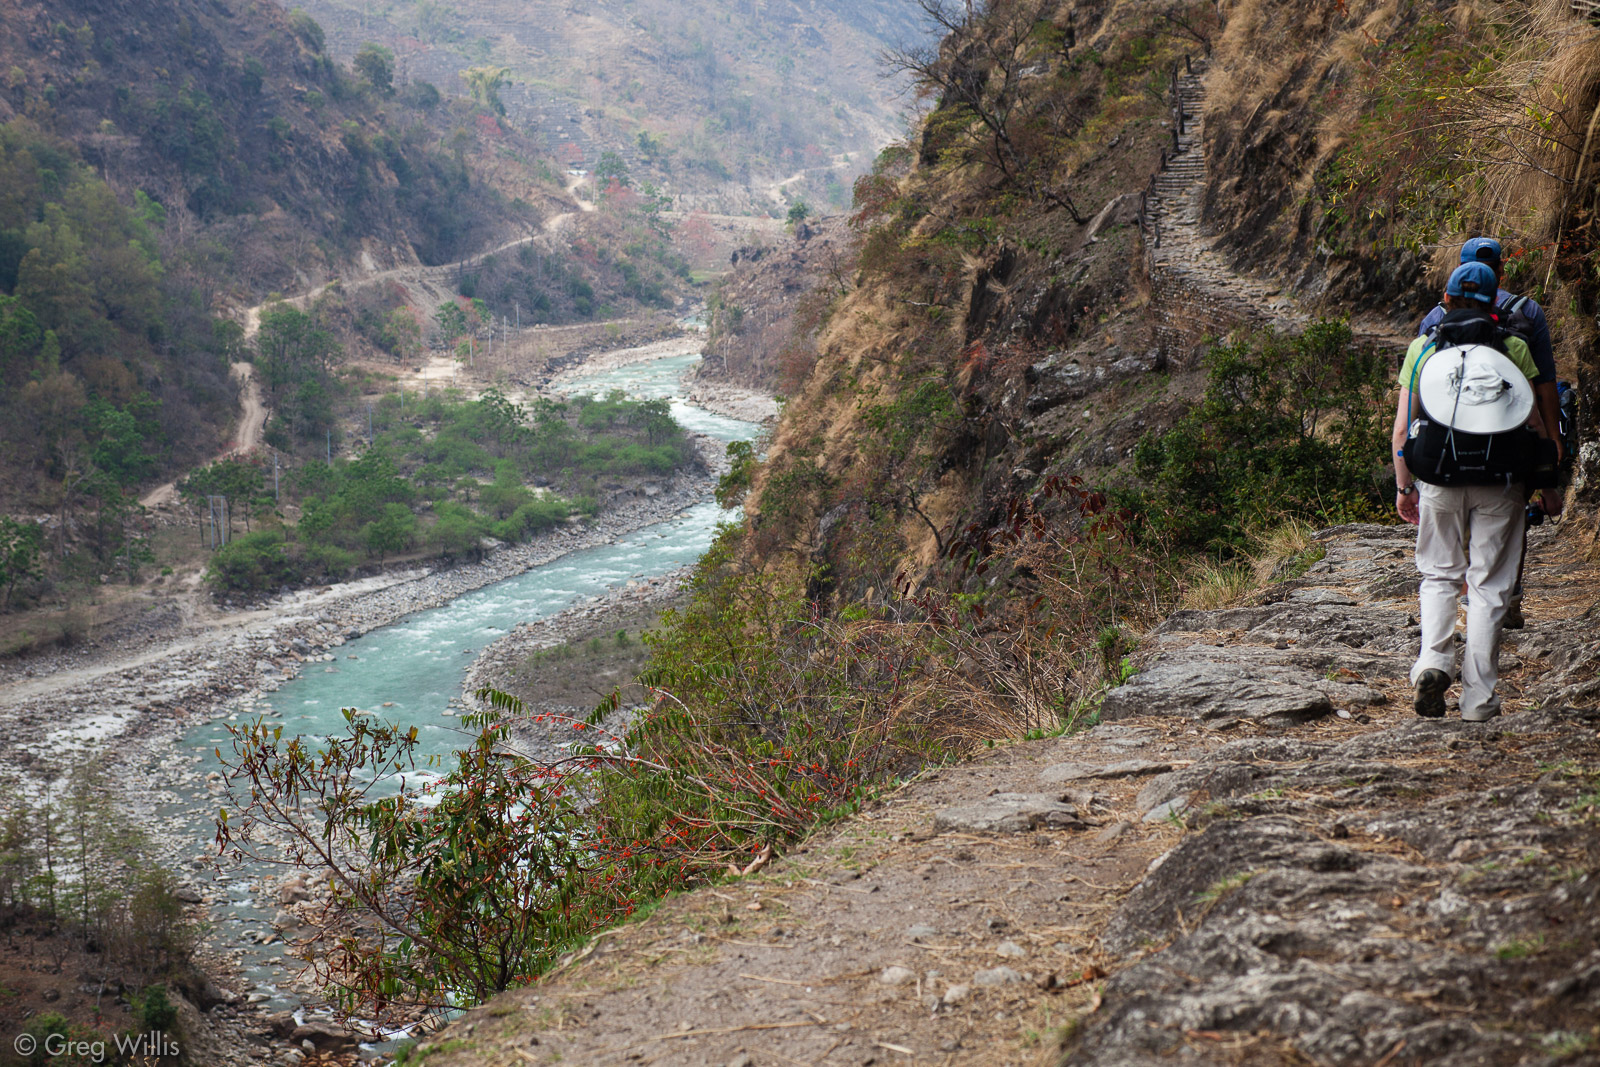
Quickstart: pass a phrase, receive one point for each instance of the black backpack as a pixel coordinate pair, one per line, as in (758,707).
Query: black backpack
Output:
(1438,454)
(1471,326)
(1511,314)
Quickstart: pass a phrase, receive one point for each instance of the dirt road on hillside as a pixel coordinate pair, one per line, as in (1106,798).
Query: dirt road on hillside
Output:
(253,410)
(247,437)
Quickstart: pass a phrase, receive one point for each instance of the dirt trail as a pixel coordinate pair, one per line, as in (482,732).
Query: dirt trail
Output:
(253,412)
(253,416)
(1271,857)
(775,190)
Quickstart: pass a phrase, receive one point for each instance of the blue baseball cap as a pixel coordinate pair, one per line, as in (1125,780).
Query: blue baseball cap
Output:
(1472,279)
(1481,250)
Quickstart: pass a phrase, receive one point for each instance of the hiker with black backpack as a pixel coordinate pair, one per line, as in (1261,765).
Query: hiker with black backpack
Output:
(1470,443)
(1523,316)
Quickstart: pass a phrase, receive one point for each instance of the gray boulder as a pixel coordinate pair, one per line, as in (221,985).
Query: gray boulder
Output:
(1009,813)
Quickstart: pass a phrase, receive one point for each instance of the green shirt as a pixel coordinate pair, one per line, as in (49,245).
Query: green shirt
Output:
(1516,348)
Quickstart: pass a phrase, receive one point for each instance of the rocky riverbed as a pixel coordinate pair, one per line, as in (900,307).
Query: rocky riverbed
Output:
(128,702)
(61,709)
(734,401)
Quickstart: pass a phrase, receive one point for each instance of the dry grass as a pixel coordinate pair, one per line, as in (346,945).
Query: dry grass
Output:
(1212,585)
(1523,135)
(1275,554)
(1276,549)
(1532,134)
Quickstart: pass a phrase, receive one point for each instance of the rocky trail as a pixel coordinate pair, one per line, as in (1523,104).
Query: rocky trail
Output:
(1259,855)
(1196,291)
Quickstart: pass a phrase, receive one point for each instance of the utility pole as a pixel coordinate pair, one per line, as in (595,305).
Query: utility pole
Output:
(518,305)
(274,475)
(217,514)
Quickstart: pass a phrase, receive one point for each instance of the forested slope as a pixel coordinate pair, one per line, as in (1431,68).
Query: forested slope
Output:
(166,165)
(167,172)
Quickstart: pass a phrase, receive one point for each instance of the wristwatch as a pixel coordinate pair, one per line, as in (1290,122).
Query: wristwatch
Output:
(1406,490)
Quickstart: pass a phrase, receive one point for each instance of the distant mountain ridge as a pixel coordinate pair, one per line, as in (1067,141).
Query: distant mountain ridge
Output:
(714,102)
(231,114)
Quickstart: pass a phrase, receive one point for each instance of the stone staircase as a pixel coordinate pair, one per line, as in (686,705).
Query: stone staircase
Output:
(1175,203)
(1196,293)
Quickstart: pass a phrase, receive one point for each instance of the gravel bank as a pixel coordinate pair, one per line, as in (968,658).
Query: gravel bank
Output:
(734,401)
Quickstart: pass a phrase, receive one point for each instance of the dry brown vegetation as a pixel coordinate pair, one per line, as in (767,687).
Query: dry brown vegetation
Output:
(967,275)
(1355,145)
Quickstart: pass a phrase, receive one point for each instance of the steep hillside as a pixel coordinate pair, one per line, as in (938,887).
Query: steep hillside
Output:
(1000,281)
(764,315)
(714,103)
(234,118)
(1098,193)
(164,166)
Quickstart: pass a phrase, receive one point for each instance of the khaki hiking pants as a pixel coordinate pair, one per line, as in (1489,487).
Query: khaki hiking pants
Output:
(1472,532)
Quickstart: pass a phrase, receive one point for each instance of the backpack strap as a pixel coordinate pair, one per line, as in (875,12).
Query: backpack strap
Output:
(1435,327)
(1416,369)
(1511,305)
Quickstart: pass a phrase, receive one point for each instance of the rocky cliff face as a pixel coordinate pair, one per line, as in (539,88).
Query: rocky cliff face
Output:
(765,313)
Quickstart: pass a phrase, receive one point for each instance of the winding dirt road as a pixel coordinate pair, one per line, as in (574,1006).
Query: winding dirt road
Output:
(248,437)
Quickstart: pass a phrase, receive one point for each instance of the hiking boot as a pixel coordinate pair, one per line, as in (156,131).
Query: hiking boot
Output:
(1483,714)
(1430,693)
(1514,619)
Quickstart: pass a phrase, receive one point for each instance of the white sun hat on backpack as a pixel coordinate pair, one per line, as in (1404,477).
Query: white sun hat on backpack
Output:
(1475,389)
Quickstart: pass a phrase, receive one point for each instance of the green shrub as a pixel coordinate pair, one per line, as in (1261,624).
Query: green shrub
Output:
(533,517)
(392,532)
(43,1027)
(456,531)
(157,1012)
(329,560)
(369,506)
(255,562)
(1289,427)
